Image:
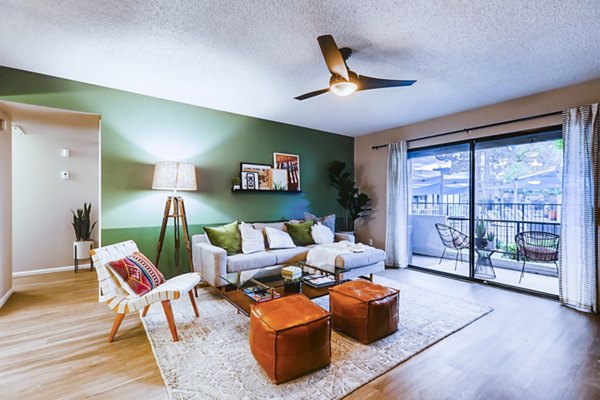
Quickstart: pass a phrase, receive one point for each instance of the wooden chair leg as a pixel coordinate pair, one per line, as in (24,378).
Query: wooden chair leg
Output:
(145,310)
(196,290)
(115,327)
(193,300)
(169,314)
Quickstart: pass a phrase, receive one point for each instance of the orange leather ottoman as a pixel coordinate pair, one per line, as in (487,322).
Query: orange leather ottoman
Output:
(290,336)
(364,310)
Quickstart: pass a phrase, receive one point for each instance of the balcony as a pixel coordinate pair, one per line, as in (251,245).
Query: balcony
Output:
(504,221)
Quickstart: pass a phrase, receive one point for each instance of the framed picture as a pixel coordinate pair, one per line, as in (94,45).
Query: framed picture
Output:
(263,174)
(290,163)
(249,180)
(278,179)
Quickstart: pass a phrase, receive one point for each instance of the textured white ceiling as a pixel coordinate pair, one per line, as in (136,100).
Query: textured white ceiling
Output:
(253,57)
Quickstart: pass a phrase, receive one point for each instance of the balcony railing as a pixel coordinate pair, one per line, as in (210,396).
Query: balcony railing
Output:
(505,220)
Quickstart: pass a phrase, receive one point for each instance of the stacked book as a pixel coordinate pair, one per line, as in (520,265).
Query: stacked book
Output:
(260,294)
(291,273)
(319,281)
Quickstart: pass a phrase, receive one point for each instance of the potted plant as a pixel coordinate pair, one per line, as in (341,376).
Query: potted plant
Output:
(236,182)
(354,203)
(481,235)
(83,231)
(491,241)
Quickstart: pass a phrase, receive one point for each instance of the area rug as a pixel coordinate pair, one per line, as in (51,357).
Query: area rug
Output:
(212,360)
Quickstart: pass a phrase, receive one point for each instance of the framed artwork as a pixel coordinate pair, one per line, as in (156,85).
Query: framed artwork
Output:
(250,180)
(290,163)
(278,179)
(262,170)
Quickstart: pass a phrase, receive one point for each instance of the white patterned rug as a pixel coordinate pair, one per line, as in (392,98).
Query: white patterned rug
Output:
(212,360)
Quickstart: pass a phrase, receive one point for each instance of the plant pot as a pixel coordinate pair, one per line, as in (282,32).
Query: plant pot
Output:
(81,250)
(481,243)
(292,287)
(491,245)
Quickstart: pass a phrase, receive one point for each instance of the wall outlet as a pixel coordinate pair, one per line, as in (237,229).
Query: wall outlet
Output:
(370,241)
(64,175)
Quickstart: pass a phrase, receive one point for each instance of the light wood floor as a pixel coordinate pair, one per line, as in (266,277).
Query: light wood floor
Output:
(53,346)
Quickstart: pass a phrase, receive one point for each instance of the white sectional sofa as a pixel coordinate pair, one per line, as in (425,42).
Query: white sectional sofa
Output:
(213,262)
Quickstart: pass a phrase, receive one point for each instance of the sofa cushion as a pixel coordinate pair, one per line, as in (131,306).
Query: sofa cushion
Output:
(300,232)
(356,260)
(252,239)
(290,255)
(279,239)
(244,262)
(275,225)
(321,234)
(226,237)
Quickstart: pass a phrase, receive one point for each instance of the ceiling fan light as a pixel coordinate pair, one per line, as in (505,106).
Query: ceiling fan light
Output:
(343,88)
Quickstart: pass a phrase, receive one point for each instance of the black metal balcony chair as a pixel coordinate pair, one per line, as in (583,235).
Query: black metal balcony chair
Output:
(452,239)
(537,246)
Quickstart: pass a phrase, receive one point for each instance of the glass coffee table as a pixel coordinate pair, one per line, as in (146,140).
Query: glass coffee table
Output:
(250,287)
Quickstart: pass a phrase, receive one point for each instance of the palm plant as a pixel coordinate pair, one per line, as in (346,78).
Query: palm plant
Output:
(82,224)
(354,203)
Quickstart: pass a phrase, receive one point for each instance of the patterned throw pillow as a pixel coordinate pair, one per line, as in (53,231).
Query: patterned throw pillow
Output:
(139,273)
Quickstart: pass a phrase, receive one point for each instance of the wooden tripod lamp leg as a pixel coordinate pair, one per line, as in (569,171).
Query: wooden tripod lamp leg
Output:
(186,233)
(163,228)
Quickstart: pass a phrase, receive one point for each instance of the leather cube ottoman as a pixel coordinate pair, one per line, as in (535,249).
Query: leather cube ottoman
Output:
(364,310)
(290,337)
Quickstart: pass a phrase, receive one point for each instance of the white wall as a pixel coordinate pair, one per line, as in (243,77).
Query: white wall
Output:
(42,201)
(371,165)
(5,211)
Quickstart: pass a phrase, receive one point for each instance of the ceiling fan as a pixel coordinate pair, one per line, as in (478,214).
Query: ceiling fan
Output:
(343,81)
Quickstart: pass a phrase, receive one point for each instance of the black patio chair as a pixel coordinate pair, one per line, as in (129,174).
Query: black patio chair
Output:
(452,239)
(537,246)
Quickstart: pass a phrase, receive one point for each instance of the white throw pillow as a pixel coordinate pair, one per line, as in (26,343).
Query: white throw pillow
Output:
(252,240)
(279,239)
(321,234)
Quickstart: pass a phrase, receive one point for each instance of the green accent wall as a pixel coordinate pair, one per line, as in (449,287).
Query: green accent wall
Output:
(138,131)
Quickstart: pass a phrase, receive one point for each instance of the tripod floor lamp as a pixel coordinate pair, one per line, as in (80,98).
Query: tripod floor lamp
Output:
(172,175)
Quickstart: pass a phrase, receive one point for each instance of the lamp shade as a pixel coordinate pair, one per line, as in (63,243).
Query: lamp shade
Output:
(173,175)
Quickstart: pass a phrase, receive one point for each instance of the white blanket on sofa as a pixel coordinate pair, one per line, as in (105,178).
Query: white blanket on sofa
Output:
(324,255)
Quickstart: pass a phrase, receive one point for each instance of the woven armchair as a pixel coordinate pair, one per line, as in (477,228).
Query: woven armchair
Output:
(452,239)
(121,301)
(537,246)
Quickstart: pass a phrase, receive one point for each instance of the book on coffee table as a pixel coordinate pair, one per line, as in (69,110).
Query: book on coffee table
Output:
(319,280)
(260,294)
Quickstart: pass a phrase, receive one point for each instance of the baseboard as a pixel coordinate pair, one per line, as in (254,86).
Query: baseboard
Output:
(5,298)
(49,270)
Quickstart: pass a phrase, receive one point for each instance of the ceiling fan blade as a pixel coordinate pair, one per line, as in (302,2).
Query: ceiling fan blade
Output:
(367,83)
(333,57)
(311,94)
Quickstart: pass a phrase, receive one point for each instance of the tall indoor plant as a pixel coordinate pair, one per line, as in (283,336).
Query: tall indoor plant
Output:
(354,204)
(83,231)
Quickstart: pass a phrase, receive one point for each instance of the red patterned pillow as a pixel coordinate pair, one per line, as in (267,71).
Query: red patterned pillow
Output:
(139,273)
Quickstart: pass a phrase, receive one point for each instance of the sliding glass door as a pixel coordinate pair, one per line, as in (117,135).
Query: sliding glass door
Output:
(489,209)
(439,209)
(518,187)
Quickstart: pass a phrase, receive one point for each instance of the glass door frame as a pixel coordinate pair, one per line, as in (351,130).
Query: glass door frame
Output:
(472,144)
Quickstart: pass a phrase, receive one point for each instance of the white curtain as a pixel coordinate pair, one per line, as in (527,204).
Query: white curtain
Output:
(579,248)
(396,238)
